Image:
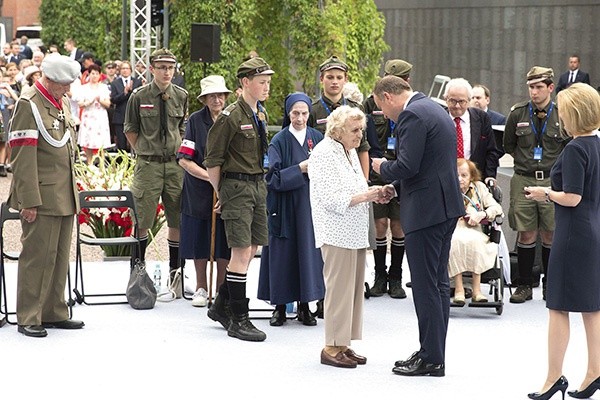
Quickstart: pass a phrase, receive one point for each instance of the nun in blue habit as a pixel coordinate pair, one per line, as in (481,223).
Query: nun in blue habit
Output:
(291,267)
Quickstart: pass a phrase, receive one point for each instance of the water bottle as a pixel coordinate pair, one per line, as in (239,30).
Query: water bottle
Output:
(157,276)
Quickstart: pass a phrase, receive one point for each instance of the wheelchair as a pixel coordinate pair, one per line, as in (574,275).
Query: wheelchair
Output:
(494,276)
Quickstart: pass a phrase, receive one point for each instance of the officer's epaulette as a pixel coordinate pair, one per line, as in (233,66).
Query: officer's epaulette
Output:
(138,89)
(228,110)
(519,105)
(176,87)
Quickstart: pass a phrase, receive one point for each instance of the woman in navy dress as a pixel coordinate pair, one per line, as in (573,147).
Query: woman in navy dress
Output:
(291,267)
(573,277)
(197,193)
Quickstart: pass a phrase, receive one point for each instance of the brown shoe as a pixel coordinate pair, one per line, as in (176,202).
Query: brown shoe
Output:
(339,360)
(360,360)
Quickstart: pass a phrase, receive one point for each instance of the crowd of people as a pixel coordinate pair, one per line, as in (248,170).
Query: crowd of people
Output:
(344,175)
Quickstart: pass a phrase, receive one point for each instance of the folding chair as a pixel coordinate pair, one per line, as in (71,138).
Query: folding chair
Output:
(108,199)
(7,214)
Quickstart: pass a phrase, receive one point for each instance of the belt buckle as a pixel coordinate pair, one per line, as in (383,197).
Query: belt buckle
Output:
(539,175)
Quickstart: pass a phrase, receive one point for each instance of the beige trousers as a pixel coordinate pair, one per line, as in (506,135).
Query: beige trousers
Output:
(344,273)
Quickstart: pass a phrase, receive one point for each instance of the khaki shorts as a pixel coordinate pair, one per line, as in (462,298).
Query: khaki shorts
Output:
(153,181)
(244,211)
(390,210)
(526,215)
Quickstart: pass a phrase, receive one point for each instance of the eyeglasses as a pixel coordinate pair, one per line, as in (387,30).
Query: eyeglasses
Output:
(454,102)
(165,68)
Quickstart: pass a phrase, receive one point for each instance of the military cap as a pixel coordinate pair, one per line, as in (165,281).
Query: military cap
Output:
(333,63)
(60,69)
(163,55)
(398,68)
(254,66)
(539,74)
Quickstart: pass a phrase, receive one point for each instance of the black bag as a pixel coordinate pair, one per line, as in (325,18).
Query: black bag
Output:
(141,293)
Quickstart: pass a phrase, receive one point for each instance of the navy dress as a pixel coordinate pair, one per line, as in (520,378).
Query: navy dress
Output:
(291,267)
(574,267)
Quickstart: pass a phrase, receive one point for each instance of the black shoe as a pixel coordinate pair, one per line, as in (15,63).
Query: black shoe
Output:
(305,316)
(3,170)
(66,324)
(219,312)
(418,367)
(561,384)
(319,311)
(32,330)
(380,284)
(278,317)
(241,328)
(587,392)
(396,290)
(409,360)
(522,294)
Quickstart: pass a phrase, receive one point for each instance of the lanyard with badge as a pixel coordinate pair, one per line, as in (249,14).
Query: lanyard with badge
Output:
(537,151)
(391,140)
(262,132)
(325,104)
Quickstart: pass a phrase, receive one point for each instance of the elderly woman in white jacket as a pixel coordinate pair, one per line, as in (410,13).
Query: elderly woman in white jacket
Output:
(340,199)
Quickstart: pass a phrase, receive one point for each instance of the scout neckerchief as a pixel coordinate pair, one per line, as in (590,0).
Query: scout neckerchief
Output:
(259,120)
(537,151)
(56,103)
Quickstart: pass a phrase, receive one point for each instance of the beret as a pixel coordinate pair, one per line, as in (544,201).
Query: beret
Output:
(60,69)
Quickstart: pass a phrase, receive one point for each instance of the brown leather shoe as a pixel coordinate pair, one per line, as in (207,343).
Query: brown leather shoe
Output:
(340,360)
(360,360)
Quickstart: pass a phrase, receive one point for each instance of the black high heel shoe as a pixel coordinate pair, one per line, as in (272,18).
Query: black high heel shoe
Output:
(561,384)
(587,392)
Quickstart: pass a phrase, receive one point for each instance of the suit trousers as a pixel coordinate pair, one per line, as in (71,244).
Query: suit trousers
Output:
(428,251)
(120,138)
(43,266)
(344,274)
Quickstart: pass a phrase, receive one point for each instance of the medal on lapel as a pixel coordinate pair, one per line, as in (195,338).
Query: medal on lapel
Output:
(55,124)
(61,116)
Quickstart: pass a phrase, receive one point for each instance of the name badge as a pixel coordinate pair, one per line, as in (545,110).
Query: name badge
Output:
(391,143)
(146,106)
(321,121)
(246,127)
(266,161)
(377,112)
(537,153)
(522,124)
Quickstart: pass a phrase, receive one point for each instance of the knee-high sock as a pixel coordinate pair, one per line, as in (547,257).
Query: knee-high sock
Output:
(142,250)
(173,254)
(236,283)
(379,255)
(526,258)
(397,251)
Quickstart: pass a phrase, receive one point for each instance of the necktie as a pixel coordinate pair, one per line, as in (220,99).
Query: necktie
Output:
(163,116)
(460,146)
(572,77)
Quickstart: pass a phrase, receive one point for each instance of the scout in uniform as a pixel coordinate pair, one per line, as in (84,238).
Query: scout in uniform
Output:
(533,138)
(381,137)
(154,126)
(43,190)
(235,162)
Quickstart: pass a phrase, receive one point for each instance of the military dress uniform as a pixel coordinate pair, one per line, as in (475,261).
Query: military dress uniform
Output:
(43,178)
(534,139)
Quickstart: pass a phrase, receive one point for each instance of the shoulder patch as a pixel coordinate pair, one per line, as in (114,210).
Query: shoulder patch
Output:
(175,87)
(519,105)
(229,109)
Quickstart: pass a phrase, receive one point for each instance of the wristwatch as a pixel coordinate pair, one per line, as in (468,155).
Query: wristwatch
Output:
(547,193)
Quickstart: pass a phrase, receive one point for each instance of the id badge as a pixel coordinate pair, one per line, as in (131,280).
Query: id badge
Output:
(266,161)
(391,143)
(537,153)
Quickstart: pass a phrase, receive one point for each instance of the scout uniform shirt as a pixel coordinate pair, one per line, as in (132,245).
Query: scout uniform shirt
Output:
(43,156)
(386,141)
(235,142)
(523,141)
(143,116)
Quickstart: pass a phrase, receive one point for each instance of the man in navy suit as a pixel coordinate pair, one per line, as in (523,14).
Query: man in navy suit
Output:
(424,177)
(481,100)
(478,140)
(574,74)
(120,91)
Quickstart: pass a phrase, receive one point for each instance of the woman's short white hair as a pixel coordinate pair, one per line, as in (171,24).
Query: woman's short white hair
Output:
(352,92)
(336,121)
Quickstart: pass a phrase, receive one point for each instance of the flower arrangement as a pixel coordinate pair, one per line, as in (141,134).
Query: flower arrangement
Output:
(116,173)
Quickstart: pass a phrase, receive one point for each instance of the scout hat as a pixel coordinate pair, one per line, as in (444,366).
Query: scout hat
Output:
(253,67)
(60,69)
(398,68)
(213,84)
(539,74)
(163,55)
(333,63)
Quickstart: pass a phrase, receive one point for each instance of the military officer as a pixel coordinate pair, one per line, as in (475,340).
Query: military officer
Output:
(154,126)
(533,138)
(380,134)
(43,190)
(235,162)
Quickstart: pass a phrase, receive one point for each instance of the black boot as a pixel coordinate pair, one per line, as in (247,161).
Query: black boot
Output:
(396,290)
(240,326)
(319,311)
(305,316)
(220,312)
(278,317)
(380,284)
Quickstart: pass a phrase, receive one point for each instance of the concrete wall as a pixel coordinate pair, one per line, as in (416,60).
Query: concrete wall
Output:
(492,42)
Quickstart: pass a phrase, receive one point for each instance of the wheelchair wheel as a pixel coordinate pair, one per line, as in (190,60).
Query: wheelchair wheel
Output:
(499,310)
(367,291)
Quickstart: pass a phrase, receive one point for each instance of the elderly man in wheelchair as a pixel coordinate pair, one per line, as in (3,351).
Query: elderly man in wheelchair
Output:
(472,250)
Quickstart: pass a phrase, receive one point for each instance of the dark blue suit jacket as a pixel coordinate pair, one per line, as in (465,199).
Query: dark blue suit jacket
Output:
(563,81)
(424,173)
(119,98)
(484,152)
(496,118)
